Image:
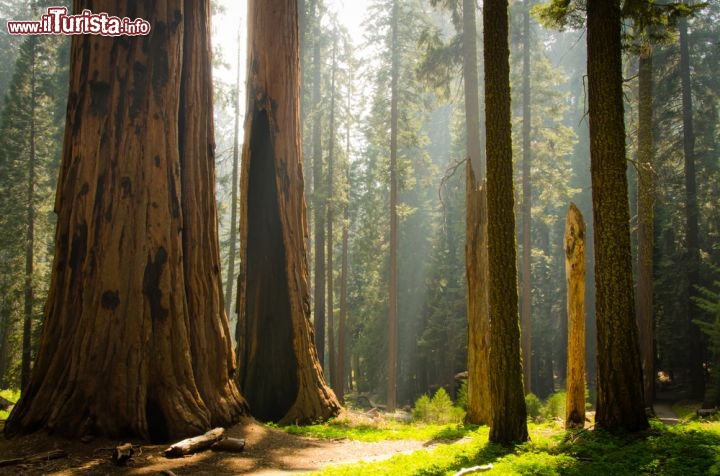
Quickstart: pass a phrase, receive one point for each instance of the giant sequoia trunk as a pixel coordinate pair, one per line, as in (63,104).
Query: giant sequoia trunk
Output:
(508,413)
(621,403)
(135,341)
(279,371)
(476,261)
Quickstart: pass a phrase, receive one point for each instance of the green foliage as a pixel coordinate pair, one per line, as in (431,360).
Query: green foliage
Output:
(438,410)
(554,406)
(359,428)
(462,395)
(533,404)
(685,449)
(12,395)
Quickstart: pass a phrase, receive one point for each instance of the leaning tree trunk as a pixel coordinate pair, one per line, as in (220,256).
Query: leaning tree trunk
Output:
(574,245)
(526,307)
(135,341)
(279,369)
(620,403)
(476,261)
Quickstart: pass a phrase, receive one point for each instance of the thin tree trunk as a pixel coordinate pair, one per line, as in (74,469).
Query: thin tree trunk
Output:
(279,368)
(234,194)
(692,241)
(646,219)
(330,220)
(621,403)
(340,375)
(318,200)
(509,417)
(393,281)
(135,340)
(574,245)
(525,320)
(29,240)
(476,261)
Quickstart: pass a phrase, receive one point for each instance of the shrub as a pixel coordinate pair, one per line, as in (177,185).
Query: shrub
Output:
(438,409)
(533,405)
(462,395)
(554,406)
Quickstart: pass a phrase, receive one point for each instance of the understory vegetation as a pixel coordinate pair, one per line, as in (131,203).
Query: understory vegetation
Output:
(691,448)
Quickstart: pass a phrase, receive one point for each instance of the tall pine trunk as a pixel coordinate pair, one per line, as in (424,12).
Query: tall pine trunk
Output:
(230,285)
(509,416)
(526,308)
(332,351)
(319,201)
(393,281)
(646,219)
(135,340)
(279,370)
(29,294)
(621,403)
(692,240)
(476,260)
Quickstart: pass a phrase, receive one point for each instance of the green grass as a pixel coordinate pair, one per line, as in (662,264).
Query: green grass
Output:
(13,396)
(689,449)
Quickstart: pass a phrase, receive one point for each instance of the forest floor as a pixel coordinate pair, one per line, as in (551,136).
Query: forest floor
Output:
(268,451)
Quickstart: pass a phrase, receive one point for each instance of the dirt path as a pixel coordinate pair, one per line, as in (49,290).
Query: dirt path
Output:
(268,452)
(665,413)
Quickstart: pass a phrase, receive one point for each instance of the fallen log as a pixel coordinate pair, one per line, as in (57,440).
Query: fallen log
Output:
(231,445)
(36,458)
(474,469)
(195,444)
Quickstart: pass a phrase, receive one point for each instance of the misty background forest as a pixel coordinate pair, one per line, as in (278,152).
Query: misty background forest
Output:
(345,109)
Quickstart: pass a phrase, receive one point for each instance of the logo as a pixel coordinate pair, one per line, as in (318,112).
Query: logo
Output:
(57,22)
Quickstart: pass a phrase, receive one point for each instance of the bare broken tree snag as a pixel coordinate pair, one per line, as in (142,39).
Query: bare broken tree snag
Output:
(195,444)
(574,244)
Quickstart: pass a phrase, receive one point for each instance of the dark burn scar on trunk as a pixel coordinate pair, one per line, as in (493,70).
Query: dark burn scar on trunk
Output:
(110,300)
(151,284)
(99,97)
(79,246)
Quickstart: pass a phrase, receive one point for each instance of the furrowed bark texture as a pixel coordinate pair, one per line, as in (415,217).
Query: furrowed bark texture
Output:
(620,391)
(279,371)
(574,245)
(476,260)
(509,419)
(135,341)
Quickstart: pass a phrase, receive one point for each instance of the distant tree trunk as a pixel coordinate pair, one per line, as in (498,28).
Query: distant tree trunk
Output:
(330,220)
(319,201)
(621,403)
(692,241)
(279,369)
(29,239)
(574,245)
(509,416)
(646,219)
(526,318)
(234,194)
(393,281)
(135,340)
(476,260)
(340,374)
